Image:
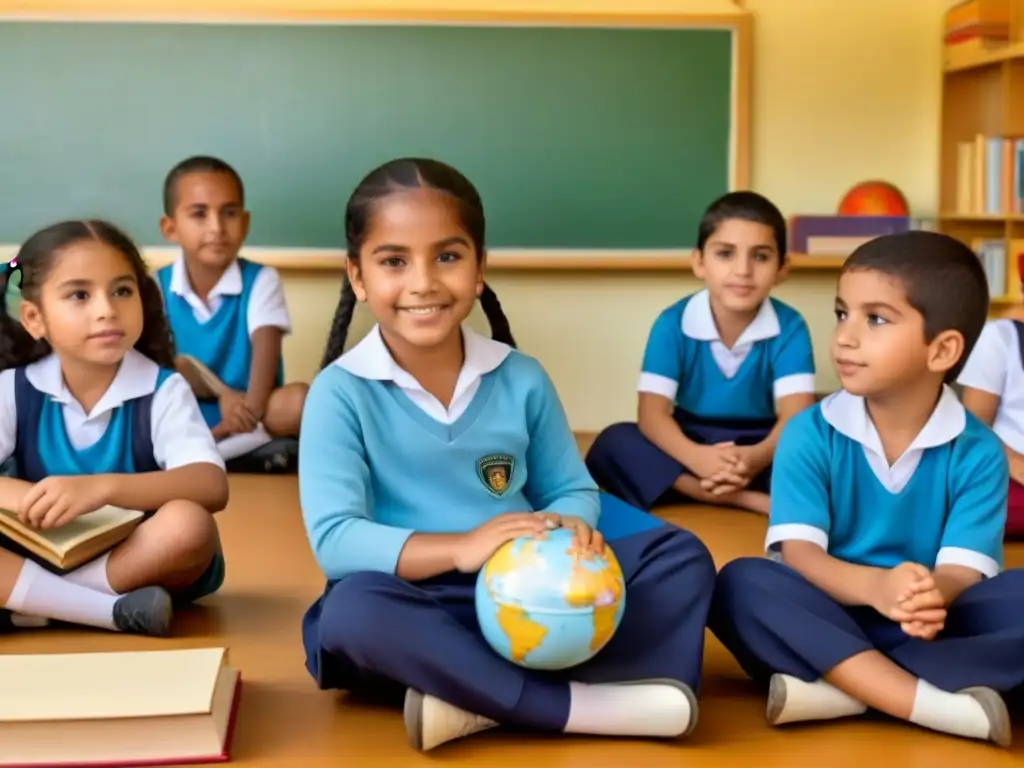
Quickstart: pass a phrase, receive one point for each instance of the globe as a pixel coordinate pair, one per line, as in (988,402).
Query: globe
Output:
(544,604)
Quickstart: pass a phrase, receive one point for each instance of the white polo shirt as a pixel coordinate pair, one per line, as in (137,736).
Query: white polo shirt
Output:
(995,367)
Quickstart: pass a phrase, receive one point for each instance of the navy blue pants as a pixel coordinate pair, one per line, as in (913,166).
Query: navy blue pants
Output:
(773,620)
(371,628)
(628,465)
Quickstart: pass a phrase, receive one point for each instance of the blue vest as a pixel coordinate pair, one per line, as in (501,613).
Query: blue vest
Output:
(221,343)
(42,446)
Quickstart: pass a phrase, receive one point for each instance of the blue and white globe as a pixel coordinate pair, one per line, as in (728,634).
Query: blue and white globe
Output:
(544,604)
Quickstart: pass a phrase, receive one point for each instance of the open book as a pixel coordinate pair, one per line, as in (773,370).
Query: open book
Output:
(202,380)
(138,708)
(72,545)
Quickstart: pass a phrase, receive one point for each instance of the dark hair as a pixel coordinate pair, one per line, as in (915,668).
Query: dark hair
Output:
(34,261)
(410,173)
(943,280)
(197,164)
(748,206)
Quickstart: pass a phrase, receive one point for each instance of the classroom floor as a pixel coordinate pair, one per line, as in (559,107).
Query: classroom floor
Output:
(285,721)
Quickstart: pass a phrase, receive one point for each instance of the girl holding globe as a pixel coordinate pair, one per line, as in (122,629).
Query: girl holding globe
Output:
(426,448)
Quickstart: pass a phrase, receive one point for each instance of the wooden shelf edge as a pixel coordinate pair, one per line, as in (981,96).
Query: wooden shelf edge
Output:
(962,62)
(340,11)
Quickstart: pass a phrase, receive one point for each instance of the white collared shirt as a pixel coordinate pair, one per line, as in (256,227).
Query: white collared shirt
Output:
(848,415)
(699,323)
(995,366)
(370,359)
(180,435)
(267,305)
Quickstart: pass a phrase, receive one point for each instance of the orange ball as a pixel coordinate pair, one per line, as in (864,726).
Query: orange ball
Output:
(874,198)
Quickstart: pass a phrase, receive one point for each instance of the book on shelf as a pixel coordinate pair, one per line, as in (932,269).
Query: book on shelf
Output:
(990,176)
(74,544)
(993,256)
(169,707)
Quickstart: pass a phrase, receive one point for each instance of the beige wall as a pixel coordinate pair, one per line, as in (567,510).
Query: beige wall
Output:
(827,112)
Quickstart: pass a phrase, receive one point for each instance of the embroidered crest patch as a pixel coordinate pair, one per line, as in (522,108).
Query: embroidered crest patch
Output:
(495,472)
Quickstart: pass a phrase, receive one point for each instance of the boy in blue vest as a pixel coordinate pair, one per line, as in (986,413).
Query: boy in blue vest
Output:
(228,316)
(885,588)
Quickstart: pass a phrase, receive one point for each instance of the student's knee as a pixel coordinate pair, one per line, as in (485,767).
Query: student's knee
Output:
(609,445)
(284,411)
(354,611)
(188,533)
(690,560)
(745,581)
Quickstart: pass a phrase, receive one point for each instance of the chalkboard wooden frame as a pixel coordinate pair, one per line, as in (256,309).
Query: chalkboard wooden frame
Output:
(736,20)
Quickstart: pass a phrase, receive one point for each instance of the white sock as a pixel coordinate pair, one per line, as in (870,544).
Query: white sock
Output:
(93,575)
(791,700)
(955,713)
(636,709)
(38,592)
(238,445)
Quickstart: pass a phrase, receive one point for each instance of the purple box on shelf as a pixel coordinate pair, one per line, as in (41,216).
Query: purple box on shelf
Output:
(839,235)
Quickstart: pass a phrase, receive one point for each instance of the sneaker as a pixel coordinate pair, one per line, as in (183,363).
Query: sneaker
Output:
(145,611)
(430,722)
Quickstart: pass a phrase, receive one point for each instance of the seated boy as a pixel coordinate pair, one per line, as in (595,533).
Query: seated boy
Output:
(228,316)
(723,370)
(993,382)
(888,502)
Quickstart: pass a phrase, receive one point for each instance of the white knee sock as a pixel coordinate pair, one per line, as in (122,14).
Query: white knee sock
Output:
(636,709)
(93,575)
(791,700)
(238,445)
(956,713)
(38,592)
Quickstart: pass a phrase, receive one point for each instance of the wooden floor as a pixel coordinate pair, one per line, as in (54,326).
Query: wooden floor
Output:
(286,721)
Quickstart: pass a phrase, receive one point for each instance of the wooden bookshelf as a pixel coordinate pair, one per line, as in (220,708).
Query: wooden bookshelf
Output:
(982,94)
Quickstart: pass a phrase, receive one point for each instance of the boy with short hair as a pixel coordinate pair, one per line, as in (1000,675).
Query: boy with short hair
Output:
(887,513)
(228,316)
(723,370)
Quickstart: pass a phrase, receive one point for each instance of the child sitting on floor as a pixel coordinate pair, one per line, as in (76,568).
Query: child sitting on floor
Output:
(886,587)
(723,371)
(93,413)
(228,316)
(424,449)
(993,390)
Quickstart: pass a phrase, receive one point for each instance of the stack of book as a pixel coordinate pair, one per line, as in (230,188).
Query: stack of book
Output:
(840,236)
(977,22)
(140,708)
(990,176)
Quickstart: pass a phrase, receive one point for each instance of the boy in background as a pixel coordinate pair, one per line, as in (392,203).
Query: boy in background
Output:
(228,316)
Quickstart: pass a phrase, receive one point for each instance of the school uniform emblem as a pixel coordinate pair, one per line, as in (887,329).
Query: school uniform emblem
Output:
(495,472)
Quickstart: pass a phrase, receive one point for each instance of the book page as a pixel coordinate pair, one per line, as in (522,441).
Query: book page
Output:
(62,539)
(108,685)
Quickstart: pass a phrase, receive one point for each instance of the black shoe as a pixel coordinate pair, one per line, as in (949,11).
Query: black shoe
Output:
(278,457)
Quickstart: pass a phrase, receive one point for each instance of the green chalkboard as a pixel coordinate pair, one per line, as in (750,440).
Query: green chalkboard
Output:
(576,137)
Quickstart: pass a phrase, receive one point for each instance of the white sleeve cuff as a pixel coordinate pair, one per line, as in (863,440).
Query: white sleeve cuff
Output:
(658,385)
(968,558)
(796,384)
(794,532)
